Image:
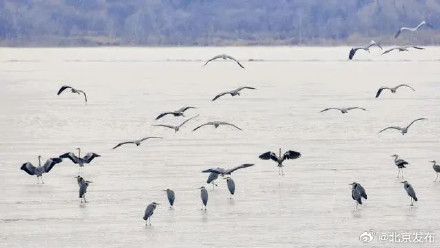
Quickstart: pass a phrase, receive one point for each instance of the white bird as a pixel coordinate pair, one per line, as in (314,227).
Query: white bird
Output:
(176,113)
(402,49)
(176,128)
(403,130)
(235,92)
(412,29)
(367,48)
(73,90)
(225,57)
(136,142)
(40,170)
(393,90)
(216,124)
(343,110)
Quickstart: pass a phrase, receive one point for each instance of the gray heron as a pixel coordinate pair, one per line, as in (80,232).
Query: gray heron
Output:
(225,57)
(211,178)
(357,193)
(423,23)
(231,186)
(343,110)
(204,196)
(400,163)
(30,169)
(176,128)
(136,142)
(393,89)
(80,161)
(436,168)
(223,172)
(402,49)
(410,190)
(149,211)
(83,185)
(73,90)
(235,92)
(216,124)
(367,48)
(280,159)
(176,113)
(403,130)
(171,197)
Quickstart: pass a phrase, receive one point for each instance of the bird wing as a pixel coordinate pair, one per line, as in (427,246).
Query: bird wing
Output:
(239,167)
(411,192)
(416,47)
(90,156)
(208,123)
(188,120)
(380,91)
(63,88)
(398,33)
(350,108)
(214,170)
(269,155)
(226,123)
(85,96)
(123,143)
(29,168)
(291,155)
(70,156)
(214,58)
(397,128)
(183,109)
(373,43)
(50,163)
(330,109)
(245,87)
(220,95)
(230,57)
(401,85)
(415,121)
(389,50)
(151,137)
(163,114)
(352,53)
(161,125)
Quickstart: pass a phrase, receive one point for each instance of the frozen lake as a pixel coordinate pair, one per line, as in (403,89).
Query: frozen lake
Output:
(127,88)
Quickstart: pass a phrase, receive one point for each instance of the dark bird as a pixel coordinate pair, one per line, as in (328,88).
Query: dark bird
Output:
(400,163)
(367,48)
(176,128)
(231,186)
(223,172)
(280,159)
(171,197)
(176,113)
(136,142)
(403,130)
(216,124)
(80,161)
(410,190)
(402,49)
(393,90)
(436,168)
(235,92)
(225,57)
(149,211)
(83,185)
(357,192)
(40,170)
(412,29)
(343,110)
(73,90)
(204,196)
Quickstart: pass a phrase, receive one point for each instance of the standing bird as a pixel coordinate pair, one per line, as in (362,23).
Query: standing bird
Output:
(211,178)
(171,197)
(204,196)
(436,168)
(73,90)
(225,57)
(403,130)
(357,192)
(402,49)
(216,124)
(280,159)
(393,90)
(231,186)
(367,48)
(235,92)
(176,128)
(400,163)
(223,172)
(40,170)
(149,211)
(83,185)
(343,110)
(136,142)
(79,160)
(412,29)
(176,113)
(410,190)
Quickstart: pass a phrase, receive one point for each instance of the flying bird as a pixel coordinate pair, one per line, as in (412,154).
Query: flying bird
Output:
(403,130)
(40,170)
(176,128)
(171,197)
(225,57)
(73,90)
(367,48)
(402,49)
(400,163)
(423,23)
(235,92)
(343,110)
(149,211)
(410,190)
(136,142)
(176,113)
(83,185)
(223,172)
(393,90)
(436,168)
(280,159)
(80,161)
(216,124)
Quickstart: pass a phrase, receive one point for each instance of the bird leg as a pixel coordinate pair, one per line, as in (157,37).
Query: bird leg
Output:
(412,204)
(42,182)
(398,173)
(402,172)
(356,206)
(436,178)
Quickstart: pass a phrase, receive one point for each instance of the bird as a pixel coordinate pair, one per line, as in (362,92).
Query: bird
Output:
(171,197)
(216,124)
(211,178)
(436,168)
(367,48)
(223,172)
(393,90)
(83,185)
(176,113)
(149,211)
(410,190)
(136,142)
(343,110)
(225,57)
(73,90)
(402,49)
(231,186)
(176,128)
(204,196)
(235,92)
(280,159)
(400,163)
(412,29)
(40,170)
(357,193)
(403,130)
(80,160)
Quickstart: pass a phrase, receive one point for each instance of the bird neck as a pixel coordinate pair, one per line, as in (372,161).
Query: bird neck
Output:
(39,161)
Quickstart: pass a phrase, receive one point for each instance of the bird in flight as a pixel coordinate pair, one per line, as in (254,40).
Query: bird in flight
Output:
(403,130)
(216,124)
(280,159)
(423,23)
(393,90)
(343,110)
(176,128)
(136,142)
(367,48)
(235,92)
(73,90)
(223,172)
(402,49)
(30,169)
(225,57)
(176,113)
(80,161)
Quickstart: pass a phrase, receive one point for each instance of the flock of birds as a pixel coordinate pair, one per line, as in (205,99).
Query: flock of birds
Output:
(358,191)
